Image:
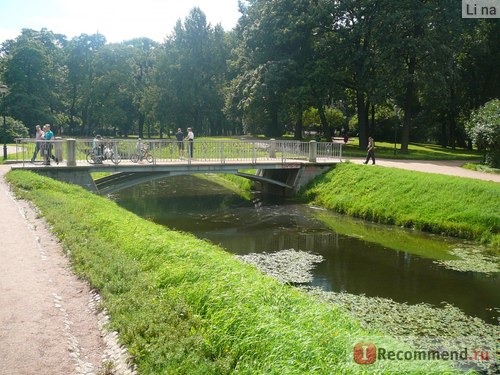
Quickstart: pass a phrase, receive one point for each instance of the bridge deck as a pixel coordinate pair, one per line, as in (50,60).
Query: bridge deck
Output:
(233,156)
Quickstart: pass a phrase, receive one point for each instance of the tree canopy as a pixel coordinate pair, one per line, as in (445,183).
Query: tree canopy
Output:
(287,66)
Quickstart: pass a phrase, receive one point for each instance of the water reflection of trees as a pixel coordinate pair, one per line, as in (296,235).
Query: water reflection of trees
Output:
(302,241)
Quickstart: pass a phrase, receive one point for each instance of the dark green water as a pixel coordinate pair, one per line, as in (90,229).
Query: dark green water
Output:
(351,263)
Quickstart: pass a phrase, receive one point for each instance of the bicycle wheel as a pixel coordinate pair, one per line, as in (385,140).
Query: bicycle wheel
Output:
(89,157)
(149,158)
(116,158)
(134,158)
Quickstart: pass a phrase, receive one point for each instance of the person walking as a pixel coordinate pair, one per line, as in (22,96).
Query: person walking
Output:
(370,151)
(49,135)
(180,142)
(190,139)
(39,137)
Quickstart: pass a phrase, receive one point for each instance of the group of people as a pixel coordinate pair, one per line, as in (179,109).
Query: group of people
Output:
(43,136)
(179,136)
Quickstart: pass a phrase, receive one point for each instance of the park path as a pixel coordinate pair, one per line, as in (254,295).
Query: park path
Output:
(50,323)
(446,167)
(48,319)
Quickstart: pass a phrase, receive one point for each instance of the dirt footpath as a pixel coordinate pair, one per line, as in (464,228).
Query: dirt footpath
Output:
(447,167)
(48,317)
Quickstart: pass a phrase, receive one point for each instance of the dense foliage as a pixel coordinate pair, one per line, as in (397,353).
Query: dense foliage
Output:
(484,130)
(414,71)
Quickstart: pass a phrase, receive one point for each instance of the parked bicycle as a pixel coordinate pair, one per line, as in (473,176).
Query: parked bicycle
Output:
(99,154)
(142,154)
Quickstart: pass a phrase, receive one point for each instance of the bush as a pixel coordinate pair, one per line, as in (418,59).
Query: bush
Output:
(15,129)
(483,128)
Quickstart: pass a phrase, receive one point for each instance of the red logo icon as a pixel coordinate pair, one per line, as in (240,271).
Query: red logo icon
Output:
(365,353)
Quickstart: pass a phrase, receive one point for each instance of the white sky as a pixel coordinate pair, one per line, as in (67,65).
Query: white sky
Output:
(117,20)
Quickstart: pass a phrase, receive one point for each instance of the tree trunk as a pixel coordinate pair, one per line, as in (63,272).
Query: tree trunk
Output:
(324,122)
(141,125)
(362,108)
(272,126)
(452,120)
(408,105)
(372,123)
(297,134)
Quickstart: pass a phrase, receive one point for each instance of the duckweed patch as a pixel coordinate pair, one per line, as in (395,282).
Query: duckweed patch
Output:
(421,326)
(287,266)
(473,259)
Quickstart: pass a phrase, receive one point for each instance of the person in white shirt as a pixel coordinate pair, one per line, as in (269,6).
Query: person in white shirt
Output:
(190,139)
(39,137)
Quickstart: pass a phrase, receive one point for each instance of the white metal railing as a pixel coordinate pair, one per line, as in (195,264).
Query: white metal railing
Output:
(166,150)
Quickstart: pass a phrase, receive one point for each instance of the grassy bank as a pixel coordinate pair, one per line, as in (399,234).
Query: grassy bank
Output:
(416,151)
(184,306)
(433,203)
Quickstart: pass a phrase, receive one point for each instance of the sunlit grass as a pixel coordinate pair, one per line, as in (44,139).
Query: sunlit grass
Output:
(454,206)
(184,306)
(416,151)
(481,168)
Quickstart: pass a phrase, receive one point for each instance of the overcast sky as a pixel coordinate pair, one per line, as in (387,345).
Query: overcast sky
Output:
(117,20)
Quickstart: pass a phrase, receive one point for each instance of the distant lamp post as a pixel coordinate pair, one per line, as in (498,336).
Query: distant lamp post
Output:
(4,90)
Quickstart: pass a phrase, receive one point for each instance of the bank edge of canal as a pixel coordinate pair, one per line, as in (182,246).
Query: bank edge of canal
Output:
(447,205)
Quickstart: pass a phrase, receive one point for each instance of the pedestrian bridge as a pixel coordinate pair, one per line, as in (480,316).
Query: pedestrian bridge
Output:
(281,167)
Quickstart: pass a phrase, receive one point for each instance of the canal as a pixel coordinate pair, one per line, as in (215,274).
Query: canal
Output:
(359,257)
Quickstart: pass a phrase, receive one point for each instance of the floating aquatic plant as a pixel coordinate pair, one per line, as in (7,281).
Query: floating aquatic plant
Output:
(423,326)
(471,258)
(288,266)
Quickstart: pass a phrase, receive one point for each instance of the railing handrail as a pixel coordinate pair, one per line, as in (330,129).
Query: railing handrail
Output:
(167,150)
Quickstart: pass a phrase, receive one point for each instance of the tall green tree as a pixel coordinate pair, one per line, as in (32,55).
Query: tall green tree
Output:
(274,60)
(33,68)
(80,55)
(419,42)
(347,54)
(142,62)
(112,105)
(190,76)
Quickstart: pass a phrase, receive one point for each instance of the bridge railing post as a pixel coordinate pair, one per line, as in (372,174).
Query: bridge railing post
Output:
(71,151)
(272,148)
(313,151)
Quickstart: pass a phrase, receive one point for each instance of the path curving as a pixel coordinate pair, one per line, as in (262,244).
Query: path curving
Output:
(446,167)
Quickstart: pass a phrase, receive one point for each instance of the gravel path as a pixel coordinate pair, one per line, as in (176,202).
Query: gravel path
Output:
(447,167)
(49,319)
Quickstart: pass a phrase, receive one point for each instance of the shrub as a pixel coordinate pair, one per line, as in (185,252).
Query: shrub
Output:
(15,129)
(483,128)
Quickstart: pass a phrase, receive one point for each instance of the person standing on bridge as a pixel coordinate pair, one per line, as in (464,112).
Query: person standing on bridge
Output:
(190,139)
(370,151)
(39,137)
(180,142)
